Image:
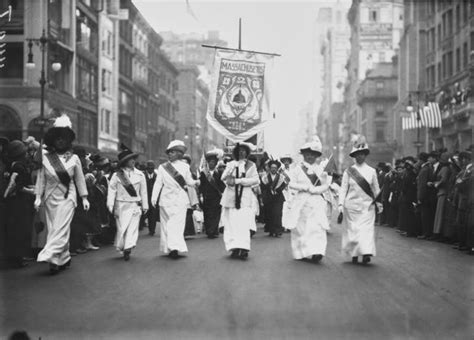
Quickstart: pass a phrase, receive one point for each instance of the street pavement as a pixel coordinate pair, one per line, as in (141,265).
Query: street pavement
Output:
(412,290)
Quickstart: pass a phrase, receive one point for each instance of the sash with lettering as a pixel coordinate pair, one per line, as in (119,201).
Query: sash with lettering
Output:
(126,183)
(171,170)
(60,170)
(312,177)
(239,189)
(363,184)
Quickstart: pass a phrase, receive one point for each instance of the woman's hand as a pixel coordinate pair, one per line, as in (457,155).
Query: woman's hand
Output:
(37,203)
(230,181)
(85,204)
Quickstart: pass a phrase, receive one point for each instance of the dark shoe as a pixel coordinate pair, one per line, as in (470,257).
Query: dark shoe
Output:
(66,265)
(252,232)
(126,254)
(211,237)
(355,260)
(72,253)
(244,254)
(173,254)
(235,253)
(151,233)
(317,258)
(221,230)
(53,269)
(81,251)
(366,259)
(422,237)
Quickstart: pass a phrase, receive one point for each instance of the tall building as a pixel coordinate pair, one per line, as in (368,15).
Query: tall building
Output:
(376,28)
(334,50)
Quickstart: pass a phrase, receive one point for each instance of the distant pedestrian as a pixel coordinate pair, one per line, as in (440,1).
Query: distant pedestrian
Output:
(357,200)
(127,199)
(60,175)
(238,201)
(306,218)
(170,194)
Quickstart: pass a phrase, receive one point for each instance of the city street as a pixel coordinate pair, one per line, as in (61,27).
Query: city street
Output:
(412,290)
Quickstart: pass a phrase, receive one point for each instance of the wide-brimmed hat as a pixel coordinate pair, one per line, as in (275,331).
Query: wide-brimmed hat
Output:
(359,146)
(465,155)
(125,155)
(434,154)
(62,128)
(274,162)
(314,146)
(16,149)
(410,161)
(287,157)
(176,145)
(99,161)
(214,154)
(248,146)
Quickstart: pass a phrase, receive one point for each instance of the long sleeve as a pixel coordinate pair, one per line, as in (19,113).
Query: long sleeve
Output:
(189,178)
(157,186)
(144,193)
(344,188)
(251,180)
(40,183)
(375,186)
(228,171)
(79,179)
(295,184)
(112,192)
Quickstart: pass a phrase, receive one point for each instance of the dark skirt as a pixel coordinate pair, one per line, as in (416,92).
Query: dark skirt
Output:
(189,227)
(212,215)
(19,225)
(273,224)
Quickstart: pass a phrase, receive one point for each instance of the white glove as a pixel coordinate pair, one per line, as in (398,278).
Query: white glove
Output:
(340,209)
(313,190)
(86,204)
(111,209)
(37,203)
(379,207)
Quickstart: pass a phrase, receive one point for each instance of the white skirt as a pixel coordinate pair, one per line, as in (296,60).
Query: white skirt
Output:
(358,236)
(237,225)
(173,221)
(128,222)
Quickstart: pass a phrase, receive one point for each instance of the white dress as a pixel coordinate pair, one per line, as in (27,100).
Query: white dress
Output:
(358,236)
(238,222)
(174,203)
(306,217)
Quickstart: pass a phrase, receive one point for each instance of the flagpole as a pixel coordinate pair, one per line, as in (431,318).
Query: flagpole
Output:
(240,33)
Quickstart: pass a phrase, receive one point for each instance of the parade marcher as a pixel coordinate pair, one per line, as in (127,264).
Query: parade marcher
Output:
(152,213)
(286,160)
(273,185)
(189,228)
(441,185)
(357,201)
(306,218)
(19,197)
(170,192)
(127,199)
(238,201)
(60,175)
(211,189)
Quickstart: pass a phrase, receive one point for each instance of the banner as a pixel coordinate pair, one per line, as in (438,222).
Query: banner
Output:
(239,98)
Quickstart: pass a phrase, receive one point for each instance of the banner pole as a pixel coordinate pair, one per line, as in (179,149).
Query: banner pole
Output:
(240,34)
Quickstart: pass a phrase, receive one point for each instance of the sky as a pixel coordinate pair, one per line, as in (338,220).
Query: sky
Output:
(283,27)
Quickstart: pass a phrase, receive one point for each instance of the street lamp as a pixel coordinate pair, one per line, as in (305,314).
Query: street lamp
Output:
(30,64)
(410,108)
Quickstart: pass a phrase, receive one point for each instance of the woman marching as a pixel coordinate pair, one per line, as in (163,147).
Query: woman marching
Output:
(60,175)
(273,185)
(238,201)
(127,199)
(359,190)
(307,218)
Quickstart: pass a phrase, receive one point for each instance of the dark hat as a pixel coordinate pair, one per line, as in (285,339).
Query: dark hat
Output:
(16,149)
(99,161)
(125,155)
(423,156)
(79,151)
(465,155)
(410,161)
(150,163)
(434,154)
(4,141)
(398,163)
(274,162)
(444,158)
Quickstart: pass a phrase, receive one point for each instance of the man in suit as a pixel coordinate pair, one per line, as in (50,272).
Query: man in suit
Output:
(422,195)
(151,215)
(211,189)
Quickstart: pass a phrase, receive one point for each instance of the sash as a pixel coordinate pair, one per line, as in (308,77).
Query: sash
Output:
(239,189)
(60,170)
(274,185)
(171,170)
(212,181)
(126,183)
(360,180)
(312,177)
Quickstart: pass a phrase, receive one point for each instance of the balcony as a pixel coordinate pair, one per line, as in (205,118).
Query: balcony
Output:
(16,24)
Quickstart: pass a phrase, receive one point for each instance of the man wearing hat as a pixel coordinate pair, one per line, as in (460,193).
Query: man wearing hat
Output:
(408,199)
(127,199)
(440,185)
(59,180)
(211,189)
(170,193)
(422,195)
(358,201)
(273,184)
(239,201)
(307,217)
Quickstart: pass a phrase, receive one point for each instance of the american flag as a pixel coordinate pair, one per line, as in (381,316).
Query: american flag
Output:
(430,116)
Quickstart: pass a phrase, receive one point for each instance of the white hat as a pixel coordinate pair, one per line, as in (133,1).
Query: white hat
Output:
(286,156)
(359,144)
(315,145)
(62,121)
(176,145)
(218,153)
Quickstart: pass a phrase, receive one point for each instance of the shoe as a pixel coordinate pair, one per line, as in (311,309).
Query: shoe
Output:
(235,253)
(355,260)
(53,269)
(221,230)
(252,232)
(244,254)
(211,237)
(404,233)
(151,233)
(126,254)
(317,258)
(72,253)
(81,251)
(366,259)
(66,265)
(173,254)
(421,237)
(92,247)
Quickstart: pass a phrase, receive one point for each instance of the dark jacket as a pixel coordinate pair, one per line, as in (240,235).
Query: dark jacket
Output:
(421,182)
(442,179)
(211,192)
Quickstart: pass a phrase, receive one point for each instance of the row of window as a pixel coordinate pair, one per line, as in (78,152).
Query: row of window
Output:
(140,40)
(86,80)
(86,32)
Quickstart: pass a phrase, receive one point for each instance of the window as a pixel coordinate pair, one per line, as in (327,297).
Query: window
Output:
(458,60)
(380,133)
(439,74)
(439,35)
(433,39)
(105,121)
(458,17)
(107,82)
(449,60)
(86,32)
(465,54)
(373,15)
(379,85)
(449,22)
(465,11)
(86,80)
(13,61)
